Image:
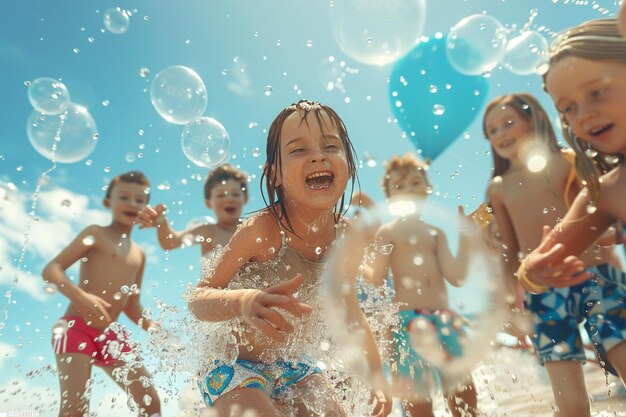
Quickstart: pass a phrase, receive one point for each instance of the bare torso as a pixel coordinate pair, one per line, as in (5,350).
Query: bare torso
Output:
(109,270)
(415,266)
(536,199)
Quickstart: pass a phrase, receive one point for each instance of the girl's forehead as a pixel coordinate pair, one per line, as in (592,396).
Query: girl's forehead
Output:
(314,120)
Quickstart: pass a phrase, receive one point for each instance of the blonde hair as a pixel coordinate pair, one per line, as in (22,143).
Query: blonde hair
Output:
(529,109)
(404,165)
(595,40)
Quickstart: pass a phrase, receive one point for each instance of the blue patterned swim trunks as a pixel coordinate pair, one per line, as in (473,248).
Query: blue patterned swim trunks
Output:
(598,302)
(272,378)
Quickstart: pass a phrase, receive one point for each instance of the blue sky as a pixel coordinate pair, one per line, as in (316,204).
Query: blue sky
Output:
(239,48)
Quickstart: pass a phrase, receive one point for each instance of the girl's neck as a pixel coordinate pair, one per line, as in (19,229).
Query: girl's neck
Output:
(312,226)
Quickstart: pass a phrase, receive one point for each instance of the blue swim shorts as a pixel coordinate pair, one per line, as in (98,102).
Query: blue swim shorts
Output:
(272,378)
(598,302)
(449,327)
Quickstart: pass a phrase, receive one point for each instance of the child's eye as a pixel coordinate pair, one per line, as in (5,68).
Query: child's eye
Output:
(567,109)
(598,92)
(331,146)
(297,150)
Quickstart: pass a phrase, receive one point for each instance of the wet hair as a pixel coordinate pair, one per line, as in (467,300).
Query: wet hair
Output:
(222,174)
(404,165)
(595,40)
(275,198)
(529,109)
(132,177)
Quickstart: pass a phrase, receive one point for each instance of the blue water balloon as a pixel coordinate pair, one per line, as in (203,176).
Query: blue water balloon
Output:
(434,103)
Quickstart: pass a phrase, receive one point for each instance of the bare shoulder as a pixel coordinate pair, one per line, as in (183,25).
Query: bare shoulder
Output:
(262,229)
(613,192)
(495,188)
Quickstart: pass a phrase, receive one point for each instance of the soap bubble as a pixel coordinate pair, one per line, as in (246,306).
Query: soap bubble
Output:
(178,94)
(526,53)
(437,347)
(377,32)
(116,20)
(205,142)
(476,44)
(67,137)
(48,96)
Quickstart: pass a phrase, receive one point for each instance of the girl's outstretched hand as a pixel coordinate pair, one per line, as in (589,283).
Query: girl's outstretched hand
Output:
(547,267)
(382,403)
(257,308)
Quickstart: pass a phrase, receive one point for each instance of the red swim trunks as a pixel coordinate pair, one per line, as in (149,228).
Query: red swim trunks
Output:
(71,334)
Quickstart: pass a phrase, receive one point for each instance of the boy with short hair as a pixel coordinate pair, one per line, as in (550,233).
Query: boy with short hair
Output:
(110,280)
(420,287)
(225,192)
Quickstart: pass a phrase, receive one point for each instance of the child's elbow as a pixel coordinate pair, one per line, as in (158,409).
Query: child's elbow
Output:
(48,272)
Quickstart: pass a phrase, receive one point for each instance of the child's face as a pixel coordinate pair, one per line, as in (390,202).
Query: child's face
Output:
(412,184)
(126,200)
(506,130)
(314,165)
(592,97)
(227,201)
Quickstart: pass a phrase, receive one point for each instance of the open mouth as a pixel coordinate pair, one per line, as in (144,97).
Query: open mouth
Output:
(131,214)
(230,210)
(320,180)
(507,143)
(600,130)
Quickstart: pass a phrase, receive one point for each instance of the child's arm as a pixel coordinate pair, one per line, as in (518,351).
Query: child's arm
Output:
(168,238)
(555,262)
(54,273)
(510,247)
(133,309)
(211,301)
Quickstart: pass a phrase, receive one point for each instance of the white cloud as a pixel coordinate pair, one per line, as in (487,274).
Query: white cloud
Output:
(6,351)
(59,216)
(242,86)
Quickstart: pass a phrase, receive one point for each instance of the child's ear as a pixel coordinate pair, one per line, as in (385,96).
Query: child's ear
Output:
(106,202)
(207,202)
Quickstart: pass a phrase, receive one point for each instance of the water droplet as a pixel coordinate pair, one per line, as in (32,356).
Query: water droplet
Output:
(318,250)
(50,288)
(66,203)
(144,72)
(309,43)
(433,88)
(438,109)
(256,152)
(591,208)
(130,157)
(591,153)
(125,289)
(106,103)
(117,296)
(268,90)
(258,240)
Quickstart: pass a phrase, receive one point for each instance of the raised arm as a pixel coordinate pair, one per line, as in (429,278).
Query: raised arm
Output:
(54,273)
(168,238)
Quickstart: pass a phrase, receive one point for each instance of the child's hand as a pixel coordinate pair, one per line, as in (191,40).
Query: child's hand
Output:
(382,403)
(546,267)
(257,308)
(151,217)
(94,308)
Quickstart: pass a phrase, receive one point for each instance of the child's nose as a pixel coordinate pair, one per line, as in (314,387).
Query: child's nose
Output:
(318,155)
